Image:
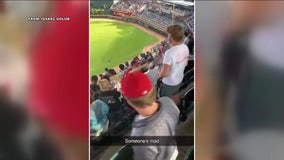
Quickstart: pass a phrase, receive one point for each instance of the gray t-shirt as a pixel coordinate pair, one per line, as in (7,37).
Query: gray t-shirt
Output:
(153,75)
(162,123)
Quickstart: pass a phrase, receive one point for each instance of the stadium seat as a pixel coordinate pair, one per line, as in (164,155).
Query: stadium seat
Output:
(188,77)
(189,154)
(124,153)
(190,65)
(186,96)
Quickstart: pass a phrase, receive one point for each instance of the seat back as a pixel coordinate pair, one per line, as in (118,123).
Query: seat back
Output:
(189,154)
(124,153)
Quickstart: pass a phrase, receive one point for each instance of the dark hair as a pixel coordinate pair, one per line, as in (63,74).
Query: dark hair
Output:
(101,75)
(94,78)
(133,62)
(121,66)
(126,64)
(94,87)
(112,72)
(106,69)
(106,77)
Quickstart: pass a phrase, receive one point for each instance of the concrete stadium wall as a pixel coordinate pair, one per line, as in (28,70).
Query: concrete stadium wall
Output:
(137,20)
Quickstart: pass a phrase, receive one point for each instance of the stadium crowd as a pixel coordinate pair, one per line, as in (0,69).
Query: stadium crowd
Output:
(131,6)
(148,81)
(158,13)
(104,89)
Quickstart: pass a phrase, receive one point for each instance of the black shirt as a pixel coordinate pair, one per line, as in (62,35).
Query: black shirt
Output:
(110,97)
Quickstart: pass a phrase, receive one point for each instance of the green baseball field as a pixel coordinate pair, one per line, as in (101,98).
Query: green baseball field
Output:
(113,43)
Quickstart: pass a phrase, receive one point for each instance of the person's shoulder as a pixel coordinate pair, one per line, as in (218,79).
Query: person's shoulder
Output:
(183,46)
(166,100)
(171,106)
(169,52)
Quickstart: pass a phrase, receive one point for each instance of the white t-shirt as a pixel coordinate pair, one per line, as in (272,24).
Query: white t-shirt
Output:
(177,56)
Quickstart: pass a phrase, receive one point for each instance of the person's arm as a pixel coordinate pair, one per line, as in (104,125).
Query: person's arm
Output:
(139,68)
(167,62)
(164,71)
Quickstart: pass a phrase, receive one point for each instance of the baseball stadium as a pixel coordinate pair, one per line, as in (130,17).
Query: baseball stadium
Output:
(132,35)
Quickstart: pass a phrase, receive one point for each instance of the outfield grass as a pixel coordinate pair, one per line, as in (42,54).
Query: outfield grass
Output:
(113,43)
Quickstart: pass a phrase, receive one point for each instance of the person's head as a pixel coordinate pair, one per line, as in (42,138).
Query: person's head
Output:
(105,85)
(121,67)
(134,64)
(105,77)
(94,79)
(136,58)
(101,76)
(138,91)
(175,34)
(94,88)
(126,64)
(106,69)
(112,72)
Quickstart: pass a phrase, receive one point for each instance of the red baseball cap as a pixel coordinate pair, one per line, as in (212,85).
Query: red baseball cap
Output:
(135,85)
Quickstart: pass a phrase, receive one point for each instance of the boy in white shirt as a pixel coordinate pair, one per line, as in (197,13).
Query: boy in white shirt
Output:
(174,62)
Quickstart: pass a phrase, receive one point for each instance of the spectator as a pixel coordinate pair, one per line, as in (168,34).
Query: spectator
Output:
(121,67)
(111,97)
(107,72)
(98,117)
(149,54)
(136,58)
(174,62)
(106,77)
(134,64)
(101,76)
(115,82)
(121,71)
(126,65)
(111,72)
(94,79)
(94,89)
(155,118)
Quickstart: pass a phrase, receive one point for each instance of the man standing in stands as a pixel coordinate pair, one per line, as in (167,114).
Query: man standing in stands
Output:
(174,62)
(155,118)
